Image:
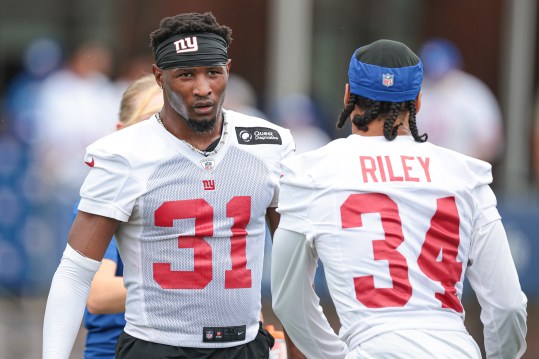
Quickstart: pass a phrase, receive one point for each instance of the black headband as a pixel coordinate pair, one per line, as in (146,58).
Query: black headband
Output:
(191,50)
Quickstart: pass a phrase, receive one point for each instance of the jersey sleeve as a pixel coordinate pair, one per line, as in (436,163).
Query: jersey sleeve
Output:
(493,276)
(485,206)
(494,279)
(295,301)
(485,199)
(288,150)
(110,189)
(296,192)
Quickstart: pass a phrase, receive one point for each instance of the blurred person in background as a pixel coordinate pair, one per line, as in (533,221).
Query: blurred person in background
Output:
(131,70)
(104,318)
(241,97)
(41,57)
(186,194)
(398,223)
(458,111)
(298,113)
(76,106)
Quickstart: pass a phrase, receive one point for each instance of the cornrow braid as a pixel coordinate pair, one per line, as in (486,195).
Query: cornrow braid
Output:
(388,111)
(346,111)
(390,130)
(413,124)
(375,108)
(361,121)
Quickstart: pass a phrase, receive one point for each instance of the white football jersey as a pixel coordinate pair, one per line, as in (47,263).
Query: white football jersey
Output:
(193,231)
(392,222)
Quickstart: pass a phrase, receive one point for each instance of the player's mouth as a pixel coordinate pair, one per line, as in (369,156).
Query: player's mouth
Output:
(203,107)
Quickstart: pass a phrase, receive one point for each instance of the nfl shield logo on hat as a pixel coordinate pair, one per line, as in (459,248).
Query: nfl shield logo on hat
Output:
(387,80)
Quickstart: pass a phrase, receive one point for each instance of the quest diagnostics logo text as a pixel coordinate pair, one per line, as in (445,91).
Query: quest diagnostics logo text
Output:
(258,136)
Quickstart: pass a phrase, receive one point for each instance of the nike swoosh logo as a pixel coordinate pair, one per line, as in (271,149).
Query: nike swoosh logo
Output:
(240,333)
(91,163)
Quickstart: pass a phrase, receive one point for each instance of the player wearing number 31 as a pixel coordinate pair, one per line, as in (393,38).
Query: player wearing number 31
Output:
(398,223)
(186,194)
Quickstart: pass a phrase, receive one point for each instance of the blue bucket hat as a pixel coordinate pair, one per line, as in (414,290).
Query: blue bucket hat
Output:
(385,70)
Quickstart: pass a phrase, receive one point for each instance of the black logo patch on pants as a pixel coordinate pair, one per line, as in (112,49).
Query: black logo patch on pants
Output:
(223,334)
(258,136)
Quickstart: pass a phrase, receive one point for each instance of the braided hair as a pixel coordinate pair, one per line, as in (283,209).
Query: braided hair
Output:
(387,111)
(188,23)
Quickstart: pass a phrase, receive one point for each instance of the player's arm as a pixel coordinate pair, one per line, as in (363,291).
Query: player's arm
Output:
(295,302)
(88,240)
(272,218)
(107,292)
(493,277)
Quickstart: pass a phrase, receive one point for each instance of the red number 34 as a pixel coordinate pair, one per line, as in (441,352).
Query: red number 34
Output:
(442,237)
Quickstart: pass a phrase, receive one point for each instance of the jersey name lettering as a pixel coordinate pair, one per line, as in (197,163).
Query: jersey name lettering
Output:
(388,169)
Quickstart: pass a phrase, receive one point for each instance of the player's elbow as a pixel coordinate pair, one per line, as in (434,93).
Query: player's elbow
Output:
(95,306)
(507,318)
(516,307)
(99,303)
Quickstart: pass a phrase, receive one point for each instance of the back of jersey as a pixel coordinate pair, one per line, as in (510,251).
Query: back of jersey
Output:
(392,222)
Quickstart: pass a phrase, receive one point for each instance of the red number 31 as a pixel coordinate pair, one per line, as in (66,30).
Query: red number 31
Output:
(442,237)
(239,209)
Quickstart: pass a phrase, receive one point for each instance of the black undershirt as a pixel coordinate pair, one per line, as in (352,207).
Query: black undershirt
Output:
(213,145)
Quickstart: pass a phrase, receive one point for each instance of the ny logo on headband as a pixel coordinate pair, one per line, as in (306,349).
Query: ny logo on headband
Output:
(387,80)
(188,44)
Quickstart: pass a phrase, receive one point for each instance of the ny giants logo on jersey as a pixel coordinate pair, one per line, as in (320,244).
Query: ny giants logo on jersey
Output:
(209,185)
(188,44)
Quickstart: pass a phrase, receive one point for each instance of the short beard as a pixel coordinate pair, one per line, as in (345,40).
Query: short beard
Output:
(202,126)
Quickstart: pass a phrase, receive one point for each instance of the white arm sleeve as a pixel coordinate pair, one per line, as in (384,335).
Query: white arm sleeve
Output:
(65,304)
(494,279)
(294,300)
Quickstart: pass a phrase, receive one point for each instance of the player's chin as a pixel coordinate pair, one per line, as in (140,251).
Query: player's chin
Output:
(202,125)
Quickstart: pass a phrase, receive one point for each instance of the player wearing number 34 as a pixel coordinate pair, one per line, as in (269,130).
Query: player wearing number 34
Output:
(397,223)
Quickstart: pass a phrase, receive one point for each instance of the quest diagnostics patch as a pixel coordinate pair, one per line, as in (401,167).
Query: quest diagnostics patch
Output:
(258,136)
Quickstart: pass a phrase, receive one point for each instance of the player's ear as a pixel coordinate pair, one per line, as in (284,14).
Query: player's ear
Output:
(228,65)
(346,93)
(158,75)
(418,101)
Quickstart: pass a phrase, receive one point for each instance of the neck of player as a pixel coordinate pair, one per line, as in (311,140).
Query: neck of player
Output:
(180,129)
(376,127)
